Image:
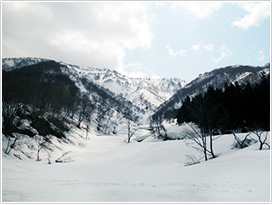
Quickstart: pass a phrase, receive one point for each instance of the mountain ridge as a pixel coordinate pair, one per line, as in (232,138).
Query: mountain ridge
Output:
(216,78)
(145,93)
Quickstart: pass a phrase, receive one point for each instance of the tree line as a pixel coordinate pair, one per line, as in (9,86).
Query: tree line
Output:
(217,78)
(236,107)
(37,86)
(232,109)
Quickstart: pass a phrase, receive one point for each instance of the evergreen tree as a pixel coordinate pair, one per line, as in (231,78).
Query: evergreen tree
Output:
(237,107)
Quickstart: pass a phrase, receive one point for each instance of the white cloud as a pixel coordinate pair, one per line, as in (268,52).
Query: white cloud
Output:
(224,52)
(261,55)
(134,70)
(257,12)
(207,47)
(159,4)
(196,47)
(96,34)
(174,54)
(199,9)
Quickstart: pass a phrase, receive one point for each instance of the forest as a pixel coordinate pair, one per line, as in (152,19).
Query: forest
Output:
(236,107)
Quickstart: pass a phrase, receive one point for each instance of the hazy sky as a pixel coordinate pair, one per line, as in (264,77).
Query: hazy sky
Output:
(140,39)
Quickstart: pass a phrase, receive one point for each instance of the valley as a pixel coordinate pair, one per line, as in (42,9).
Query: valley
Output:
(131,102)
(108,170)
(80,134)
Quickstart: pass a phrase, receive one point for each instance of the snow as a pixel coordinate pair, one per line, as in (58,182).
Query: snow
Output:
(107,169)
(10,62)
(242,76)
(26,126)
(154,91)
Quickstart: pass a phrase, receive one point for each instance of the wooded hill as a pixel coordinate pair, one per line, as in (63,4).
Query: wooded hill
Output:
(236,107)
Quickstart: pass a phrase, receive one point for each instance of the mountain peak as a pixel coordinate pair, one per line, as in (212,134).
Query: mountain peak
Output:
(145,93)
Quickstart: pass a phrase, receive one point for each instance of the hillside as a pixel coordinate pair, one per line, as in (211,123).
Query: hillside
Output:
(79,134)
(217,78)
(146,94)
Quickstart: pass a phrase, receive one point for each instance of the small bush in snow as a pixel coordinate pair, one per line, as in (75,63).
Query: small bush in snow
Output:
(245,143)
(191,160)
(64,158)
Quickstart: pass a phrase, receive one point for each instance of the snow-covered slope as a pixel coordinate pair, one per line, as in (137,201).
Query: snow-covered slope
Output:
(104,168)
(15,63)
(145,93)
(217,78)
(110,170)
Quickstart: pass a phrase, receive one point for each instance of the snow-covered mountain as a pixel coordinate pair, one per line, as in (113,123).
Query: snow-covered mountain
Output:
(52,98)
(145,93)
(44,102)
(15,63)
(217,78)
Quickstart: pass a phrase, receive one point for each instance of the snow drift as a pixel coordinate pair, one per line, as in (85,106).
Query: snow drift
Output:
(108,169)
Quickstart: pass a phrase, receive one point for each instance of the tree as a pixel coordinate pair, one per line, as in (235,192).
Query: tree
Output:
(131,123)
(131,129)
(86,108)
(9,112)
(156,128)
(104,115)
(193,132)
(242,143)
(87,131)
(205,112)
(262,140)
(41,144)
(12,139)
(63,158)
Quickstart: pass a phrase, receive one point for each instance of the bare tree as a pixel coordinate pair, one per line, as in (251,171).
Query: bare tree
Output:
(191,160)
(207,113)
(131,120)
(242,143)
(41,144)
(262,140)
(87,131)
(199,138)
(104,115)
(49,153)
(86,109)
(156,128)
(131,129)
(9,112)
(64,158)
(12,139)
(116,121)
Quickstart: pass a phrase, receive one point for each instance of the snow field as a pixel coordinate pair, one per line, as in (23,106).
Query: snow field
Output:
(107,169)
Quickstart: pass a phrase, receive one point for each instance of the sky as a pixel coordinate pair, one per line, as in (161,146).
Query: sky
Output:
(178,39)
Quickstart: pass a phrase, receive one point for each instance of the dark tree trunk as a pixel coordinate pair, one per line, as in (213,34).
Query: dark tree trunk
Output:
(211,145)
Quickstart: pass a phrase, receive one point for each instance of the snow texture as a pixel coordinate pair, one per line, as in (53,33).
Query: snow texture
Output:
(107,169)
(140,91)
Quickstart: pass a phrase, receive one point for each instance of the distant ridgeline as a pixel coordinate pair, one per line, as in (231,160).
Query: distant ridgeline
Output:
(236,107)
(40,89)
(42,85)
(102,95)
(237,76)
